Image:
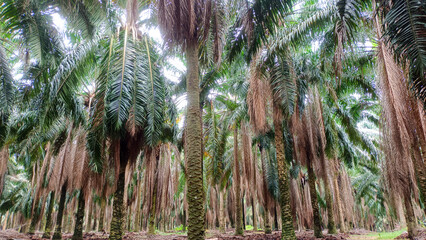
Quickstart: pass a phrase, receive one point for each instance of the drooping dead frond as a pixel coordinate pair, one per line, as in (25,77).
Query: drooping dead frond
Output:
(340,32)
(257,98)
(81,172)
(184,21)
(63,164)
(247,156)
(43,172)
(4,158)
(400,177)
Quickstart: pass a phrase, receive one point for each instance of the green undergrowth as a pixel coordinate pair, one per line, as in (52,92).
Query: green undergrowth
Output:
(387,235)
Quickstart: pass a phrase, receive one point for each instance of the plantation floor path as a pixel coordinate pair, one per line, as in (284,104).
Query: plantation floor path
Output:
(359,234)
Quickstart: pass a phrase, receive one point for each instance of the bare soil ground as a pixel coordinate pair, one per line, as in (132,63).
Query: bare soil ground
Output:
(357,234)
(210,234)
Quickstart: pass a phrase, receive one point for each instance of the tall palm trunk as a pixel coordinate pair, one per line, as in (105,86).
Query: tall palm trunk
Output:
(138,206)
(48,225)
(194,154)
(78,228)
(221,211)
(89,215)
(253,198)
(283,177)
(151,227)
(58,230)
(338,200)
(314,200)
(237,182)
(118,208)
(5,221)
(102,215)
(35,217)
(253,209)
(328,197)
(329,203)
(410,217)
(267,223)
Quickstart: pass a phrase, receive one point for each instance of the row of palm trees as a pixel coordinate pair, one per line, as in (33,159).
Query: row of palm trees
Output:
(269,121)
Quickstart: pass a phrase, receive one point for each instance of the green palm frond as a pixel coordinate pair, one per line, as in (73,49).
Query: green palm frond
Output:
(84,16)
(7,92)
(405,25)
(29,20)
(305,29)
(283,84)
(349,13)
(255,24)
(73,69)
(355,135)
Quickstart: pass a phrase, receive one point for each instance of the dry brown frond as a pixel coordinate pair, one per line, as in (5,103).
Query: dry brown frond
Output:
(4,158)
(39,186)
(257,97)
(183,21)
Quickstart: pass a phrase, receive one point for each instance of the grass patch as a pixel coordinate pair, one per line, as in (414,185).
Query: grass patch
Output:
(387,235)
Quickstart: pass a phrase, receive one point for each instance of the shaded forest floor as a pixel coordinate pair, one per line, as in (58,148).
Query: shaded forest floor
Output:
(359,234)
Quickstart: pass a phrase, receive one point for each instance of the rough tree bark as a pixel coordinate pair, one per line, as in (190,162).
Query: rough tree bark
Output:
(410,217)
(58,230)
(151,227)
(47,228)
(102,215)
(314,200)
(283,177)
(79,217)
(267,223)
(194,154)
(221,211)
(118,208)
(237,182)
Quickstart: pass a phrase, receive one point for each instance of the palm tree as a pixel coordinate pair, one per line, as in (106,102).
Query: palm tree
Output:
(183,24)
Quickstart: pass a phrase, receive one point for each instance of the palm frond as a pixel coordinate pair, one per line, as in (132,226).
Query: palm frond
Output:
(405,25)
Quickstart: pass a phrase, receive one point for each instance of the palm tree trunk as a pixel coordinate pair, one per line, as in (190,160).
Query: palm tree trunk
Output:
(221,211)
(244,213)
(253,209)
(78,228)
(184,220)
(194,155)
(48,225)
(237,182)
(94,216)
(338,201)
(58,230)
(5,221)
(102,215)
(89,215)
(314,200)
(138,206)
(283,177)
(253,198)
(151,227)
(410,217)
(35,217)
(328,198)
(118,208)
(275,218)
(266,220)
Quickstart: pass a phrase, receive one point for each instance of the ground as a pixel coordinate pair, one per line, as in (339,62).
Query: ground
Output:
(359,234)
